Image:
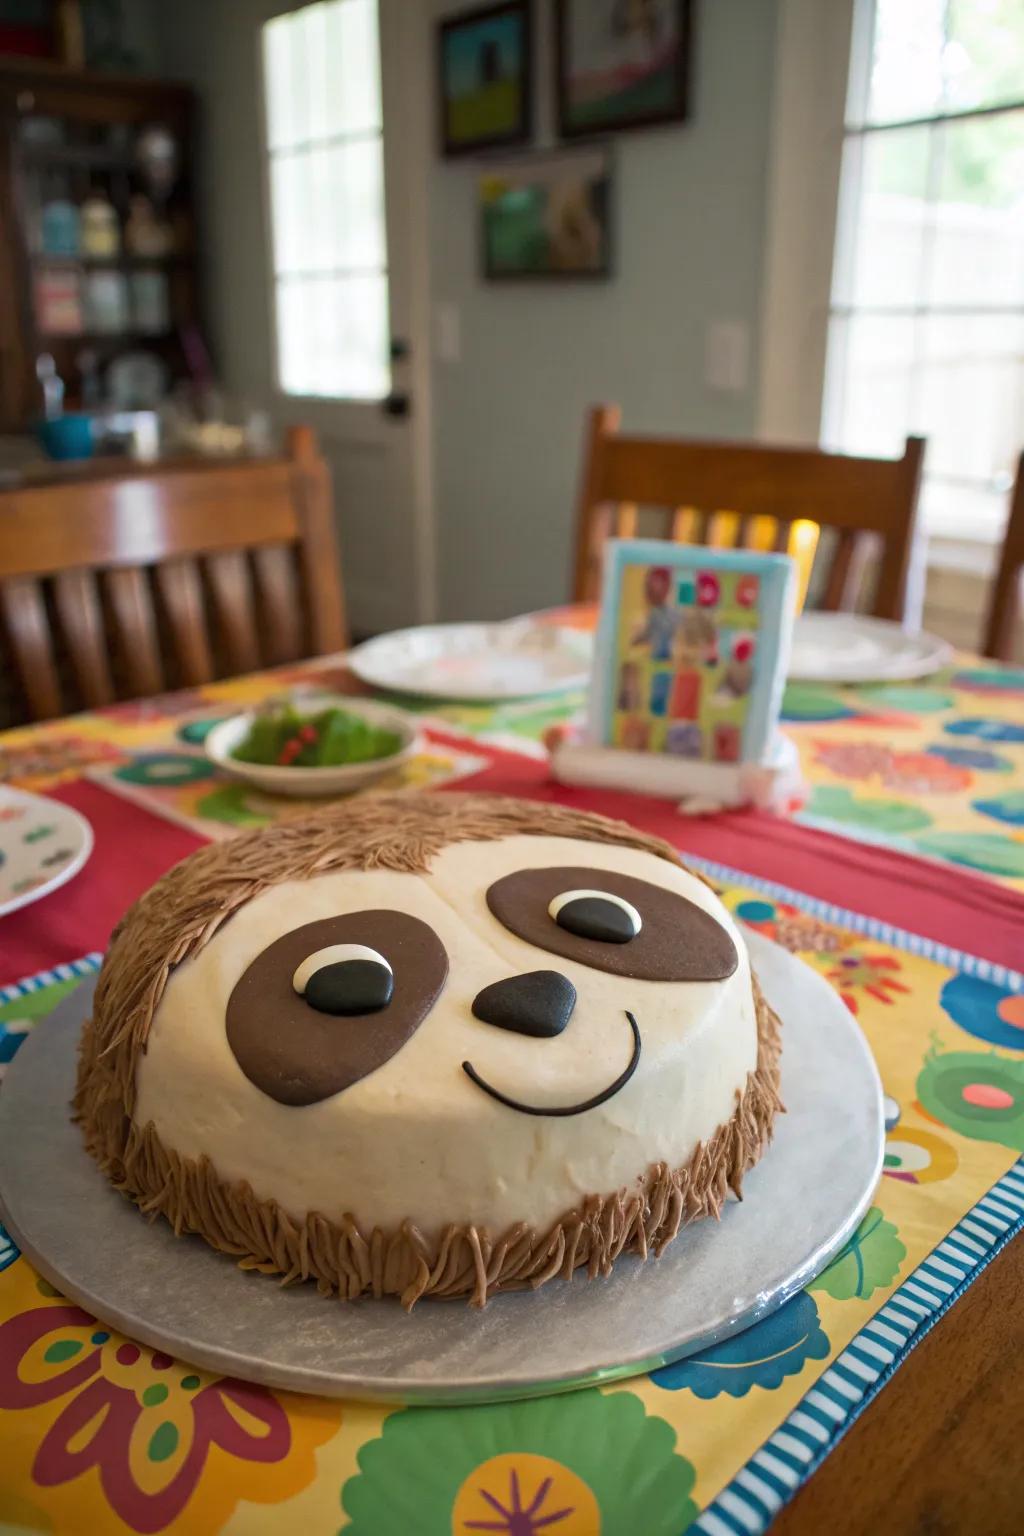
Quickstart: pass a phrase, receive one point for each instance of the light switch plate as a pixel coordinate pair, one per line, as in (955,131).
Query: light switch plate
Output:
(727,356)
(448,331)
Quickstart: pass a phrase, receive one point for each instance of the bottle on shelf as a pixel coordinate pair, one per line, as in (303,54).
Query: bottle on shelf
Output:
(101,231)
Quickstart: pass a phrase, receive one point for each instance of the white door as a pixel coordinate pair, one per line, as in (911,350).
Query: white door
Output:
(347,145)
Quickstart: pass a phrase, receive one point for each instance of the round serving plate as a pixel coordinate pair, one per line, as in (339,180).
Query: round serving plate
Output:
(523,658)
(42,844)
(800,1205)
(853,648)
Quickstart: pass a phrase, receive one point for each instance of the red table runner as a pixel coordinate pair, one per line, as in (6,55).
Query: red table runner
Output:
(953,907)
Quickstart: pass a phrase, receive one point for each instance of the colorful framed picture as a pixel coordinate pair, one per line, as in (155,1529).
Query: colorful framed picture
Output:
(621,64)
(691,651)
(485,78)
(547,215)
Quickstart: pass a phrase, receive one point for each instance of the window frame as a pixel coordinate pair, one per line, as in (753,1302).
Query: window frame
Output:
(819,52)
(313,400)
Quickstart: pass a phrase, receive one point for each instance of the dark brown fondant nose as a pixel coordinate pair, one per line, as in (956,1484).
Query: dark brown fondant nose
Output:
(538,1003)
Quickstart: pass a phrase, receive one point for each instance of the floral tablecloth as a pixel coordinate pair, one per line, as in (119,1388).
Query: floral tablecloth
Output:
(99,1435)
(934,768)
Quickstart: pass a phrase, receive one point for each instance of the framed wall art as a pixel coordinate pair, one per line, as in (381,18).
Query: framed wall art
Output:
(546,215)
(621,64)
(485,78)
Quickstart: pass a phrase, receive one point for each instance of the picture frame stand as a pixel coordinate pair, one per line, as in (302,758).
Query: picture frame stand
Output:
(701,788)
(686,682)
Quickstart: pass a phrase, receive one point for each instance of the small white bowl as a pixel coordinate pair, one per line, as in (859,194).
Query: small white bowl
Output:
(339,779)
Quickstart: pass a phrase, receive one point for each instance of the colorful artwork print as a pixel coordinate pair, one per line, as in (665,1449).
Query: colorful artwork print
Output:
(547,216)
(691,639)
(621,63)
(485,78)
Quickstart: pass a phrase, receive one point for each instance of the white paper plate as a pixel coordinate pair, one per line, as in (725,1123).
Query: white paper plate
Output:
(517,660)
(851,648)
(42,844)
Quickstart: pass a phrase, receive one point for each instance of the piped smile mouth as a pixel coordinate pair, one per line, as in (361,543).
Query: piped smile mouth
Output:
(563,1109)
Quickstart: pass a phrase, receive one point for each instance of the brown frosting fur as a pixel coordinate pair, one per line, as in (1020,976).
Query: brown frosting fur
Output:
(179,915)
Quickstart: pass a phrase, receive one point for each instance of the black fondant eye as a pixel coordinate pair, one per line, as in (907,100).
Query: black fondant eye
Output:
(596,915)
(345,979)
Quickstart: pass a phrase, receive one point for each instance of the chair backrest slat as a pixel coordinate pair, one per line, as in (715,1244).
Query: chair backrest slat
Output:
(131,604)
(231,590)
(252,540)
(180,586)
(680,524)
(626,518)
(277,598)
(1004,604)
(28,629)
(839,591)
(317,545)
(786,485)
(81,619)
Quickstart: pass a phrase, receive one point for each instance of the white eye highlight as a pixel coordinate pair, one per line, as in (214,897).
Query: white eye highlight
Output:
(597,915)
(334,954)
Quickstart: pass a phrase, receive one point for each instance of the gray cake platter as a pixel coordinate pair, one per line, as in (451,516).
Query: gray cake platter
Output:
(800,1205)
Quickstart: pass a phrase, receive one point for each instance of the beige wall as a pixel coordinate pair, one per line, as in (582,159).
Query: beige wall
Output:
(689,221)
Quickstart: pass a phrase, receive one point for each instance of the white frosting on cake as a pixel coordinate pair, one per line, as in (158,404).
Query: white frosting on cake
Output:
(416,1138)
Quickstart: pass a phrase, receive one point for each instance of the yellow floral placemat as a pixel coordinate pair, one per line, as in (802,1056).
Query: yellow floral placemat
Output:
(98,1434)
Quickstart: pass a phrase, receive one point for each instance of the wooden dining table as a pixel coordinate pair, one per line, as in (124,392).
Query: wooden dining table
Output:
(885,1397)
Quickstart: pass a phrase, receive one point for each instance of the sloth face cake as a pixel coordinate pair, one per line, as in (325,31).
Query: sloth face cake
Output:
(429,1045)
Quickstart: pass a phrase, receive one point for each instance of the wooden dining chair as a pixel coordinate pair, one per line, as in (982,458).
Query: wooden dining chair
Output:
(693,483)
(123,586)
(1004,603)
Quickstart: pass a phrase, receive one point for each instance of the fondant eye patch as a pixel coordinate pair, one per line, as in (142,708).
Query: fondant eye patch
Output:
(614,923)
(330,1002)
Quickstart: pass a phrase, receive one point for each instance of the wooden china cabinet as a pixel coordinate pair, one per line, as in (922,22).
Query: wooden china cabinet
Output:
(97,235)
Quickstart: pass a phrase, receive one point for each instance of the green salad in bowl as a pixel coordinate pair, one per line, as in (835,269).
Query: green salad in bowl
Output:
(313,746)
(286,738)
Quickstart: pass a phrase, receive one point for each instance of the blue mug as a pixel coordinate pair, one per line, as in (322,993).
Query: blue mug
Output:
(66,437)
